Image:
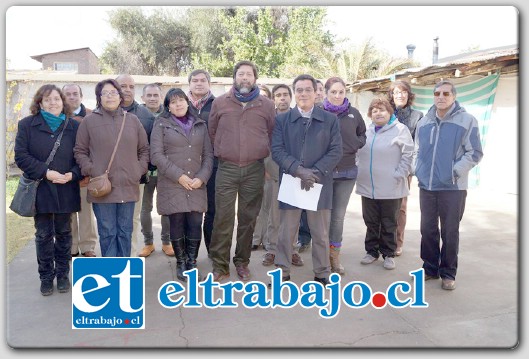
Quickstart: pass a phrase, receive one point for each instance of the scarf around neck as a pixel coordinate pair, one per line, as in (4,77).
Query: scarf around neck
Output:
(198,104)
(246,97)
(53,121)
(186,123)
(337,110)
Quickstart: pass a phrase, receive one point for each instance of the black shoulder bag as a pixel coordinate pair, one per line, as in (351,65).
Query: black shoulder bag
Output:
(23,202)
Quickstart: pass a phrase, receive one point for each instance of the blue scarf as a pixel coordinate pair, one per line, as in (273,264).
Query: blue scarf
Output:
(53,121)
(246,97)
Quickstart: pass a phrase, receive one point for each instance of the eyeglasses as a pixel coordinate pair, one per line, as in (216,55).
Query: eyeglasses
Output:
(401,93)
(445,93)
(109,93)
(307,90)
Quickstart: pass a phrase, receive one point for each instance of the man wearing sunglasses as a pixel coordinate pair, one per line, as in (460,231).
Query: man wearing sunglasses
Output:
(447,147)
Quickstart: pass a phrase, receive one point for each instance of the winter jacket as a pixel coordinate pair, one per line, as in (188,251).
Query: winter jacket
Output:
(241,134)
(82,114)
(33,145)
(384,163)
(175,154)
(446,150)
(409,117)
(313,143)
(146,118)
(203,113)
(353,131)
(96,139)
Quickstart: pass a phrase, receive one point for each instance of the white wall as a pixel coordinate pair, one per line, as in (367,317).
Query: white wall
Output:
(499,167)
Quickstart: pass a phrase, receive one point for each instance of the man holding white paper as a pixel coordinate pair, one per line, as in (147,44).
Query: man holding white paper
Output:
(306,144)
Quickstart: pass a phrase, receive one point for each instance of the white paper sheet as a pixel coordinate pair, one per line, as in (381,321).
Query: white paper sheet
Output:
(290,192)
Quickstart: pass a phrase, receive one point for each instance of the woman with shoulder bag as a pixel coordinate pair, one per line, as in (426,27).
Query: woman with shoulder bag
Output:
(58,192)
(114,142)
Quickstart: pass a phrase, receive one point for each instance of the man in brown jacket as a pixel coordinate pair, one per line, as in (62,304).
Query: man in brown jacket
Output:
(84,235)
(241,123)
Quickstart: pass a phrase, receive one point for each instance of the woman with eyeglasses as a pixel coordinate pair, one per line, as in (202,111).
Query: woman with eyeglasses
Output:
(353,131)
(96,139)
(182,151)
(401,98)
(384,165)
(58,192)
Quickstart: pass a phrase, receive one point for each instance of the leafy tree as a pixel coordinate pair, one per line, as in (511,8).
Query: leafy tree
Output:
(255,35)
(306,41)
(156,44)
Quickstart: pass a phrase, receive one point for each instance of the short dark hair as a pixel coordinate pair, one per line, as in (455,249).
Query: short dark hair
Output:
(305,77)
(446,82)
(379,102)
(72,84)
(404,86)
(154,84)
(99,88)
(43,91)
(281,86)
(245,63)
(171,94)
(198,72)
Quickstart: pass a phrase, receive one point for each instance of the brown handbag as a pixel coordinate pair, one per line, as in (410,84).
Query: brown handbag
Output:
(100,186)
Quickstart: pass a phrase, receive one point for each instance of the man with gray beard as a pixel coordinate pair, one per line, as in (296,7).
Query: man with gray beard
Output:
(240,126)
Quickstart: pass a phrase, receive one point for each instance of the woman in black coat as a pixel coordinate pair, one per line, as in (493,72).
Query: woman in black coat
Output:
(58,193)
(401,98)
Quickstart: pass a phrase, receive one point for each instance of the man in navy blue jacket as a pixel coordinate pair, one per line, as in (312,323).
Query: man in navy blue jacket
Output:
(307,144)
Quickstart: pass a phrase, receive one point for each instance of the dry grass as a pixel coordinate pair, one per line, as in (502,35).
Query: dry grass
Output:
(19,230)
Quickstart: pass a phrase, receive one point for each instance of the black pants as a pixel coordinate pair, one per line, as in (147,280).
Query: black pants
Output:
(187,224)
(446,208)
(380,217)
(53,240)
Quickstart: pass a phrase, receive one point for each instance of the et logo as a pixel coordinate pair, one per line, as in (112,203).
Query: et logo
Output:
(108,293)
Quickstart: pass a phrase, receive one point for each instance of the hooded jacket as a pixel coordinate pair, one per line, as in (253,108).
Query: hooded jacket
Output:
(446,150)
(384,163)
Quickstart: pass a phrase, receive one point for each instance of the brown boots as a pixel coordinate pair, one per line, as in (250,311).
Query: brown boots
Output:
(336,267)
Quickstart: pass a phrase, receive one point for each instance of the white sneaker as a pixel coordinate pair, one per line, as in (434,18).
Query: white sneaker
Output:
(389,263)
(368,259)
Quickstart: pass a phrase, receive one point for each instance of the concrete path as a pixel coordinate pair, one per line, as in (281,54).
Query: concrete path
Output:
(483,312)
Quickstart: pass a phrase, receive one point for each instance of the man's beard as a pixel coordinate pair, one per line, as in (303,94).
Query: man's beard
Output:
(242,88)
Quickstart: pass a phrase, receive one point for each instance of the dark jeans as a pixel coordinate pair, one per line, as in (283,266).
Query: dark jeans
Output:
(380,217)
(145,214)
(245,185)
(209,216)
(114,226)
(53,240)
(304,236)
(187,224)
(446,207)
(341,193)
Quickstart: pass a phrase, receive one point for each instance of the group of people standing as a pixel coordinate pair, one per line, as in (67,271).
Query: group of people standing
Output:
(205,155)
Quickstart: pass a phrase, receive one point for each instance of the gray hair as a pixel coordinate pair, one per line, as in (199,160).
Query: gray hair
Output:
(446,82)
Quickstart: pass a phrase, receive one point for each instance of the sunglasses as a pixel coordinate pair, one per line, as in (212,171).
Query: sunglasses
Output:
(445,93)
